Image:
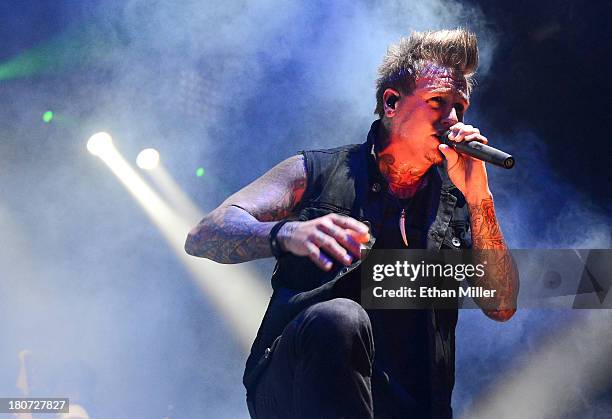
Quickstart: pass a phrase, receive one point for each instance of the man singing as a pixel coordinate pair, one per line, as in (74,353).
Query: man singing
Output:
(318,353)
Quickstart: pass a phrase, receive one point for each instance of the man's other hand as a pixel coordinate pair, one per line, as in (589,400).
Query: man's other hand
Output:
(331,236)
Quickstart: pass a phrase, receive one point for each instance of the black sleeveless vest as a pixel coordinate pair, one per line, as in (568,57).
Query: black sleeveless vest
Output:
(346,180)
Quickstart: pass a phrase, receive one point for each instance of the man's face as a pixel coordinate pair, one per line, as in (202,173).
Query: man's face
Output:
(438,101)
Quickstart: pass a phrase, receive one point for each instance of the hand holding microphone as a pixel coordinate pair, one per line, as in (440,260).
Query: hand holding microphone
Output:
(479,151)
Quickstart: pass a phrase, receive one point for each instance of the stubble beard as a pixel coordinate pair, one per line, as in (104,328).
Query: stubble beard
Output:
(434,157)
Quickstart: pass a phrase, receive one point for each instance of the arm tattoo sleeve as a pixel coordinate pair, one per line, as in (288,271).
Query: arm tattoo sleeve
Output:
(237,231)
(230,235)
(490,248)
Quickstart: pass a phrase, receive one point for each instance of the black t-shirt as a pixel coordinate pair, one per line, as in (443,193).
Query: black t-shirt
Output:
(401,351)
(400,336)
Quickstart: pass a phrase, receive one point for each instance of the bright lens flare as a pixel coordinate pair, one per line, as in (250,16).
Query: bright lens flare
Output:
(148,159)
(240,301)
(100,143)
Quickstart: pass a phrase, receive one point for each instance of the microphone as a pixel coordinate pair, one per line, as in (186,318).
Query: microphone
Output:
(480,151)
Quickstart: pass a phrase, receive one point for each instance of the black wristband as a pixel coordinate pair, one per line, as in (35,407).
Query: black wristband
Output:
(275,246)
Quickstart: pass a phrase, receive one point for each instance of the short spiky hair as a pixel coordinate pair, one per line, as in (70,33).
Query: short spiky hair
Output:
(455,49)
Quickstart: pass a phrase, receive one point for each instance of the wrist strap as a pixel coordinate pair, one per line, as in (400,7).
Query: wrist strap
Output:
(275,246)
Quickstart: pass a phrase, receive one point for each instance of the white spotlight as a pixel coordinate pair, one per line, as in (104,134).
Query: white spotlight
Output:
(148,159)
(99,143)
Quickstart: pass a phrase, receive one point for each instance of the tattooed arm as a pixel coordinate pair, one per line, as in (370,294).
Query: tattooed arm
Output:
(237,231)
(470,176)
(500,268)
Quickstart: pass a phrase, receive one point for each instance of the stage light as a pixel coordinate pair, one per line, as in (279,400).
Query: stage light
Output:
(200,172)
(173,193)
(241,298)
(147,159)
(100,143)
(48,116)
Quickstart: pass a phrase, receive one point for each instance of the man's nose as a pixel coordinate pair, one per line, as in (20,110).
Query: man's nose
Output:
(450,119)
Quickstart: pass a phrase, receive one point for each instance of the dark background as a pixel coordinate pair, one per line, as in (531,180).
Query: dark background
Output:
(551,73)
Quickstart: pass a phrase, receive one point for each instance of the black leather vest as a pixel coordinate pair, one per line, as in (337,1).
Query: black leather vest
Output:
(346,180)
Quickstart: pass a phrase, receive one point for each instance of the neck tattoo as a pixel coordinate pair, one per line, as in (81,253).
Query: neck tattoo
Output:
(404,180)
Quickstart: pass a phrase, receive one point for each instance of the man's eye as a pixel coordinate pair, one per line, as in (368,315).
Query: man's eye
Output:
(436,102)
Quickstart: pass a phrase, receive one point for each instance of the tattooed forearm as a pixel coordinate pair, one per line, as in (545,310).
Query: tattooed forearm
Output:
(485,229)
(230,235)
(490,249)
(237,231)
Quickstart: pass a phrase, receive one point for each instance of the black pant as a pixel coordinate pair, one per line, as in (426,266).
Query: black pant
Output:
(321,367)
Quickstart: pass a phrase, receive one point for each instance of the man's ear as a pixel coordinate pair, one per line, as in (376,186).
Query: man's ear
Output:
(390,98)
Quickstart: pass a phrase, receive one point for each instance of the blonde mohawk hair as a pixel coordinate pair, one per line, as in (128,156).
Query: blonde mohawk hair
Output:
(455,49)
